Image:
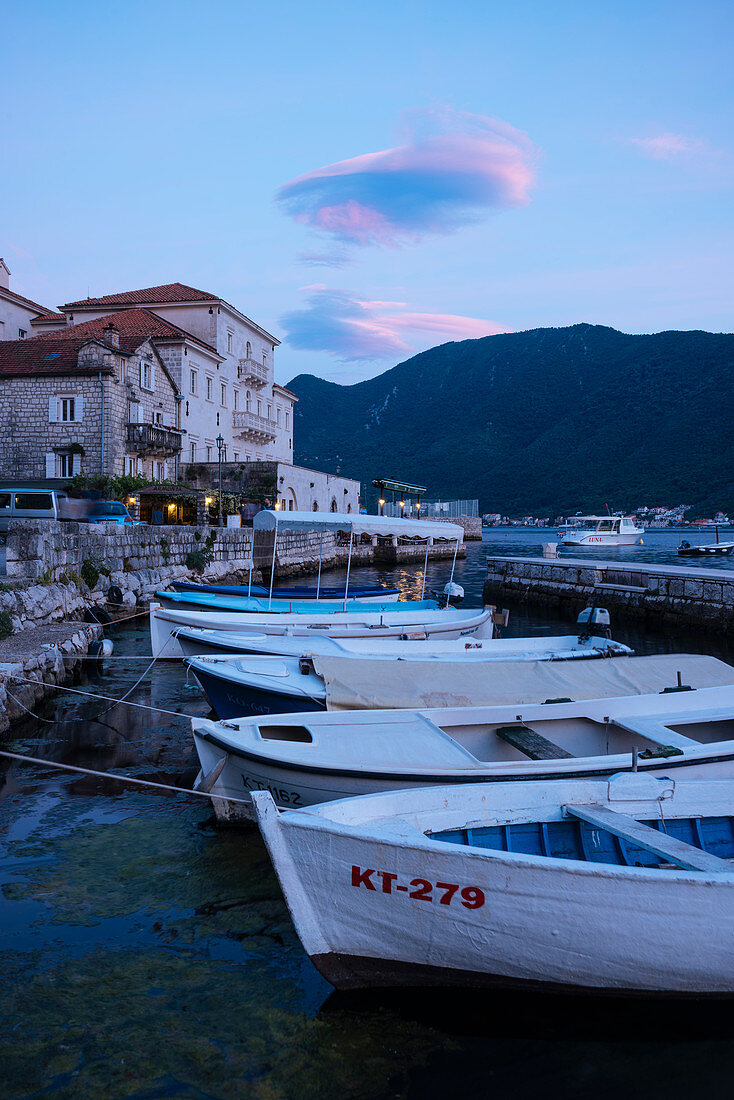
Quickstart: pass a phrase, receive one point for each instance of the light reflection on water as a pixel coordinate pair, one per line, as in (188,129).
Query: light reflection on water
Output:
(149,953)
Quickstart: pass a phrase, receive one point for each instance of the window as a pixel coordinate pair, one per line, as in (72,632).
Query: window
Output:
(66,464)
(270,412)
(223,401)
(277,415)
(160,472)
(248,400)
(2,330)
(192,452)
(230,339)
(249,350)
(208,389)
(287,419)
(146,375)
(209,453)
(235,399)
(33,502)
(236,456)
(66,409)
(130,465)
(259,407)
(192,381)
(22,333)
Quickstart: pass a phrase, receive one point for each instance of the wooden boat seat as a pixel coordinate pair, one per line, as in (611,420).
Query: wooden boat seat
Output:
(532,744)
(627,828)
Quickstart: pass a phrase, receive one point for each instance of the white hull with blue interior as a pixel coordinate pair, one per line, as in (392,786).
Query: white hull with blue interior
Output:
(440,624)
(620,886)
(311,757)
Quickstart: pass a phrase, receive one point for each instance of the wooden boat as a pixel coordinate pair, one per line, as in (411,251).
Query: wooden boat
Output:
(211,601)
(267,684)
(620,707)
(439,624)
(623,885)
(705,549)
(333,593)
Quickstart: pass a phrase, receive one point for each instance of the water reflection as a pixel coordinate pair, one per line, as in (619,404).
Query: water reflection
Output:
(147,952)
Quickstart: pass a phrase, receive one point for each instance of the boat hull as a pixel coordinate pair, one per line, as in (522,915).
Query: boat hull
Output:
(602,540)
(406,910)
(334,593)
(295,787)
(232,700)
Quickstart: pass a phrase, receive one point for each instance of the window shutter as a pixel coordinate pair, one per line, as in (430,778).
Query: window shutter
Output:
(78,407)
(52,408)
(152,376)
(51,464)
(76,464)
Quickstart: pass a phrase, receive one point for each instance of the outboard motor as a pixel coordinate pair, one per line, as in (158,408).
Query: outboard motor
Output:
(593,620)
(451,596)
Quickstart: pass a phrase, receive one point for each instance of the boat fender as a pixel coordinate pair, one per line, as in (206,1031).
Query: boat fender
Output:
(99,649)
(305,665)
(96,615)
(114,594)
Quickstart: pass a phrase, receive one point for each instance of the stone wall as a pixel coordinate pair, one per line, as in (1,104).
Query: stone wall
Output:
(661,595)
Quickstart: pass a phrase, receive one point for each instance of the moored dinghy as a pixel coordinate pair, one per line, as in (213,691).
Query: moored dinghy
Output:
(618,886)
(306,758)
(237,685)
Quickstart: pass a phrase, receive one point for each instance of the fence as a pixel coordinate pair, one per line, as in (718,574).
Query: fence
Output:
(434,509)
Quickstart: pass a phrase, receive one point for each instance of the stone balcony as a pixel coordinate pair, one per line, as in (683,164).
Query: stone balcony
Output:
(152,439)
(252,373)
(256,429)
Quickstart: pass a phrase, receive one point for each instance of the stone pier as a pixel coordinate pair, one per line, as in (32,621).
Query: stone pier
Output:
(663,595)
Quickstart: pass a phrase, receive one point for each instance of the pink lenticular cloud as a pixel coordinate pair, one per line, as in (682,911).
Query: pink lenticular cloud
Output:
(354,329)
(667,146)
(459,166)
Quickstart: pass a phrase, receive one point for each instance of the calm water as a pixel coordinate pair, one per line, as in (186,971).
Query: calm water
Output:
(146,953)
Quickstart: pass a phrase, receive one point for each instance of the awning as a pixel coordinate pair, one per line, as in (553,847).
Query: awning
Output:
(385,526)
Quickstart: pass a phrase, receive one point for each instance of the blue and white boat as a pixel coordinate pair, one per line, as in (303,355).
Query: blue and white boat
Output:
(622,885)
(213,601)
(332,593)
(326,675)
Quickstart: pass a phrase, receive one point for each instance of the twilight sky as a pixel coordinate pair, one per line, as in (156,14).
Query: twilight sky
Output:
(370,180)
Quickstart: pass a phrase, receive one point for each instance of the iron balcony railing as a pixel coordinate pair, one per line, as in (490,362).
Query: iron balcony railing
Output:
(150,437)
(251,426)
(252,372)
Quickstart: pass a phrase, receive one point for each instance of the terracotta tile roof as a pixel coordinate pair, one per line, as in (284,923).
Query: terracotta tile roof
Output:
(284,389)
(135,326)
(50,315)
(152,295)
(42,356)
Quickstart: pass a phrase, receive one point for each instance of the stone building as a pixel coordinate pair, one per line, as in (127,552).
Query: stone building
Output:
(224,372)
(91,398)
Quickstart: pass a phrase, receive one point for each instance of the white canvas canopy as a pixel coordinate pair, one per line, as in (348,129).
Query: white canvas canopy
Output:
(384,526)
(356,524)
(366,683)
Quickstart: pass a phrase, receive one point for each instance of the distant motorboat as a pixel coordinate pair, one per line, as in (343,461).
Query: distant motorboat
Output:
(690,549)
(621,885)
(602,531)
(567,719)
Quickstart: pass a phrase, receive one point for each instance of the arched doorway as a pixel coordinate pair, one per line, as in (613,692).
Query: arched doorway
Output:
(290,500)
(333,504)
(315,506)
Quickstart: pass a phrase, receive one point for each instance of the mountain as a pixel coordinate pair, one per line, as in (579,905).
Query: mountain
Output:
(552,420)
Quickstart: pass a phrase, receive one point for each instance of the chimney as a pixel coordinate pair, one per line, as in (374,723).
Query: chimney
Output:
(112,335)
(4,274)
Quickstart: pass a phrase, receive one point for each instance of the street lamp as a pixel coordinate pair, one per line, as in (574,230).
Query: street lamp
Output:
(220,445)
(381,502)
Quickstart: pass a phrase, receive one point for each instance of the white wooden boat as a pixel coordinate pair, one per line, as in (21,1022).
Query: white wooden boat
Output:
(311,757)
(602,531)
(237,684)
(623,885)
(195,641)
(439,624)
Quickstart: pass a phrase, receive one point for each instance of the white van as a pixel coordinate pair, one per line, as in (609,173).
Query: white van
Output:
(23,503)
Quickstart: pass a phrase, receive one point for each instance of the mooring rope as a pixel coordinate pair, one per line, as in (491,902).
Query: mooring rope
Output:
(118,778)
(105,698)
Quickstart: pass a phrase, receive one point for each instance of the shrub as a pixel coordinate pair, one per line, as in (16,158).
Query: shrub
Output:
(6,624)
(90,572)
(196,560)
